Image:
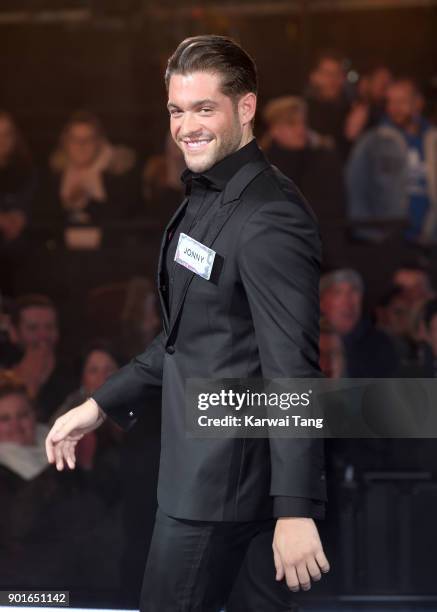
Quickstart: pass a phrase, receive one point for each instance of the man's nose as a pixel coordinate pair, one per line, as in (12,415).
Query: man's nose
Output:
(190,126)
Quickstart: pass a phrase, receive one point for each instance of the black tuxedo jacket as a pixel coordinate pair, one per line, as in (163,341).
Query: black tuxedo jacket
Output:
(258,318)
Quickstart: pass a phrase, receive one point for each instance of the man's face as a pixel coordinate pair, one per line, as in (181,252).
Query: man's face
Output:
(379,82)
(38,326)
(341,304)
(290,135)
(82,144)
(98,367)
(401,103)
(17,420)
(204,122)
(414,283)
(329,79)
(398,316)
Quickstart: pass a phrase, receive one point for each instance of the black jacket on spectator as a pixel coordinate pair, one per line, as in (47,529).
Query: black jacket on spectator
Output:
(54,532)
(53,392)
(17,187)
(123,204)
(370,353)
(328,118)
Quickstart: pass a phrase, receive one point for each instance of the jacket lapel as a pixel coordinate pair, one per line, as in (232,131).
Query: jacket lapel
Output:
(160,277)
(210,226)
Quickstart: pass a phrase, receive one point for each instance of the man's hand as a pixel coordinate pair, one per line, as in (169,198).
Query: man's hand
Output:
(68,429)
(298,552)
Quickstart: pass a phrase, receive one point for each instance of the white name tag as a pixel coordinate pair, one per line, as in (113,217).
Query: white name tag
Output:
(194,255)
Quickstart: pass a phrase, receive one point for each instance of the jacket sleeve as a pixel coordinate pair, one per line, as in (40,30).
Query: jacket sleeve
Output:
(125,390)
(279,261)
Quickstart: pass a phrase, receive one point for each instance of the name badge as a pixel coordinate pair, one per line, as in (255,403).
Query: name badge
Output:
(195,256)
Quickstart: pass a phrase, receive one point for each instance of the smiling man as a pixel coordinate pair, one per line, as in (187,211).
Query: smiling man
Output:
(235,523)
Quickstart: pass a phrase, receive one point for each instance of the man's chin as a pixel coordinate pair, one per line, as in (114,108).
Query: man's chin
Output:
(197,164)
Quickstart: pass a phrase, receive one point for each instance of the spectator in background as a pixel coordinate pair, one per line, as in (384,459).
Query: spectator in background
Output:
(430,324)
(94,181)
(99,361)
(395,317)
(393,314)
(162,185)
(35,331)
(127,311)
(332,357)
(392,171)
(369,351)
(310,160)
(9,352)
(328,103)
(368,110)
(17,181)
(415,281)
(97,451)
(52,525)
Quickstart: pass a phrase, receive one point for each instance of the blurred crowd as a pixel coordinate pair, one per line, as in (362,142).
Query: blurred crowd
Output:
(365,157)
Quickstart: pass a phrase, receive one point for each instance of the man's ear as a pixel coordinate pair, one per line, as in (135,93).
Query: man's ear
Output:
(247,107)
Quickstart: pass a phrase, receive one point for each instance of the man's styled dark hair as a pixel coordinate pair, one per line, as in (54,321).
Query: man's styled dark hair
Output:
(220,54)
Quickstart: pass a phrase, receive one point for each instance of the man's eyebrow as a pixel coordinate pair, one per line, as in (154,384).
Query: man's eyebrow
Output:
(195,104)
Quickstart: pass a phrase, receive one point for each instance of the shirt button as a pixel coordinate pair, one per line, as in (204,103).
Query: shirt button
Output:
(170,349)
(131,414)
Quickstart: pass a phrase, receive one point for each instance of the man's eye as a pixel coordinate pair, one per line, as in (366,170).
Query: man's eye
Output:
(205,110)
(175,113)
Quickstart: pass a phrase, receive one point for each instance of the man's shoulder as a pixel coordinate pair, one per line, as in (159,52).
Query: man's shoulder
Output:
(272,188)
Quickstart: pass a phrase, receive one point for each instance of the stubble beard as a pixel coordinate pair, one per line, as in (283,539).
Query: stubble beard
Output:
(230,142)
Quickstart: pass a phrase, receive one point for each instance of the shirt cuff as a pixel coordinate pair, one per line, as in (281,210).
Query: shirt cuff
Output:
(286,506)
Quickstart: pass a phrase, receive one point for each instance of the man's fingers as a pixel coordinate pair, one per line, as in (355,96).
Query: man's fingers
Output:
(291,577)
(55,434)
(313,569)
(322,561)
(278,565)
(303,576)
(50,450)
(59,457)
(62,428)
(69,454)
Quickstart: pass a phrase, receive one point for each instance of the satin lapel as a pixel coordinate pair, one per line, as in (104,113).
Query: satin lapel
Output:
(210,226)
(215,217)
(160,281)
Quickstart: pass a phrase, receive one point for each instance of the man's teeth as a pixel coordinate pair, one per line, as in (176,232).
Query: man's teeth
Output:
(195,143)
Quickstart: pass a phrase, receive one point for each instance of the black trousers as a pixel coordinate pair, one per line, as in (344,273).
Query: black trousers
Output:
(203,566)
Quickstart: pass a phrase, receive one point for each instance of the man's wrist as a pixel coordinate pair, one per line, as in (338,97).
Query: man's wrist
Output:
(288,506)
(102,414)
